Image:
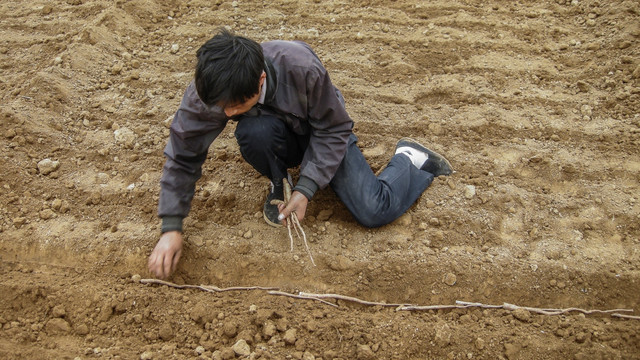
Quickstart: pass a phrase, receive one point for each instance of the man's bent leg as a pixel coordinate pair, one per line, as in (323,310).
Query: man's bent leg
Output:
(376,201)
(268,145)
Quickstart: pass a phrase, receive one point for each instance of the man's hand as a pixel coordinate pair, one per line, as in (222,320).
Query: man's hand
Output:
(297,203)
(164,258)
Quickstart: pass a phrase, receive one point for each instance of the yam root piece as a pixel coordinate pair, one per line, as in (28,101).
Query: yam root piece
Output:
(292,220)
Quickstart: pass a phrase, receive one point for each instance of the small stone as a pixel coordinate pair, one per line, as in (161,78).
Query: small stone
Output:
(230,329)
(434,221)
(248,235)
(175,48)
(450,279)
(199,313)
(196,240)
(241,348)
(290,336)
(19,221)
(581,337)
(125,137)
(308,356)
(227,354)
(47,214)
(522,314)
(200,350)
(165,332)
(511,351)
(324,215)
(56,204)
(364,352)
(435,129)
(102,178)
(341,263)
(636,73)
(624,44)
(443,335)
(405,220)
(583,86)
(116,69)
(82,329)
(269,329)
(469,191)
(47,166)
(58,311)
(479,344)
(57,326)
(136,278)
(147,355)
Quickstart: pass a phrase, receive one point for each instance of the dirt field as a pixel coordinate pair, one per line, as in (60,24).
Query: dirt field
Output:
(536,104)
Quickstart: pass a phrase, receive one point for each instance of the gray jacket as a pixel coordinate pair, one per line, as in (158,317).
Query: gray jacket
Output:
(299,92)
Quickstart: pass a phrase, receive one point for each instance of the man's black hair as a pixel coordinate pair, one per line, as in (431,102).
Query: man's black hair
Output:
(228,69)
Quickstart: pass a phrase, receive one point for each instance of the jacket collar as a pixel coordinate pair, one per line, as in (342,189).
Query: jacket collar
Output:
(272,81)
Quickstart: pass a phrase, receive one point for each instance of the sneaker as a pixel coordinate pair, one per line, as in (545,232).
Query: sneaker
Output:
(270,211)
(434,162)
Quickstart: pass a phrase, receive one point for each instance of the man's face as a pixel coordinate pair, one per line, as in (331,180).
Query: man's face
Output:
(241,108)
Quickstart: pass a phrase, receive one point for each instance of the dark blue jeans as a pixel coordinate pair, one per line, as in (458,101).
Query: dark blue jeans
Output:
(271,147)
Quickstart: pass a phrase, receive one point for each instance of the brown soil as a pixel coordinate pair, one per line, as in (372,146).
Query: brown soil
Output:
(536,104)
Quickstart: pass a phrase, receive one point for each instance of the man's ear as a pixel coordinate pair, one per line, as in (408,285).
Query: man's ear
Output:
(263,76)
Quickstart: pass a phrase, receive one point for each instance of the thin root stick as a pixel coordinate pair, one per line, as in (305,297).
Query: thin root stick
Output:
(290,236)
(170,284)
(348,298)
(511,307)
(292,221)
(304,237)
(626,316)
(399,307)
(282,293)
(561,311)
(208,288)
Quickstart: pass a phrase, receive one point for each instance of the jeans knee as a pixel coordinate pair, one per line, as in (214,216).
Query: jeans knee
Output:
(255,133)
(370,219)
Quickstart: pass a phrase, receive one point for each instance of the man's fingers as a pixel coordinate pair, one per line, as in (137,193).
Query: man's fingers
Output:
(284,213)
(153,263)
(176,259)
(167,263)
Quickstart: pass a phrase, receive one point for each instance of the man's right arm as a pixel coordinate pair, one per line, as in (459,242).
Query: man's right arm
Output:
(193,129)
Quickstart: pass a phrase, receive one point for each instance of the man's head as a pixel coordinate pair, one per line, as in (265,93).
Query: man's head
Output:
(230,72)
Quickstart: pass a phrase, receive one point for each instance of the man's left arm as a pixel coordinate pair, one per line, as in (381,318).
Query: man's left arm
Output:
(331,127)
(330,130)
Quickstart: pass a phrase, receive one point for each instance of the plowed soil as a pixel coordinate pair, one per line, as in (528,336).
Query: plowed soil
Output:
(535,103)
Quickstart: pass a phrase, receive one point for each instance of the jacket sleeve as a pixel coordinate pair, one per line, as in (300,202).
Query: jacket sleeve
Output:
(192,131)
(330,130)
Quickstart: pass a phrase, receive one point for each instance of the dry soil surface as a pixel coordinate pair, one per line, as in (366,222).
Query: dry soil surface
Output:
(536,104)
